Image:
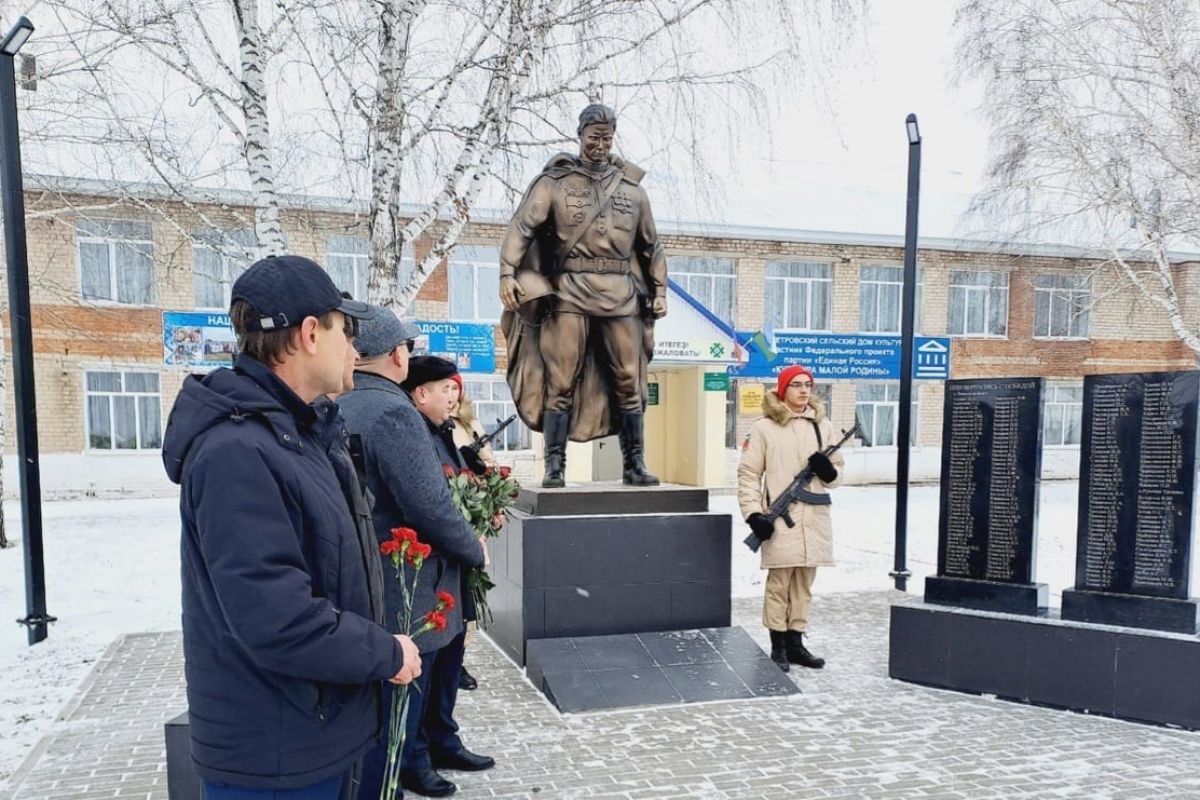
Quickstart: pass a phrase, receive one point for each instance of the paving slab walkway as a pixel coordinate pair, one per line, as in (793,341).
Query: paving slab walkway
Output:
(853,733)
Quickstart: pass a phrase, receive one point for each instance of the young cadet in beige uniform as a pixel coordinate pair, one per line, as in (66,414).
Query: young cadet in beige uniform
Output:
(784,441)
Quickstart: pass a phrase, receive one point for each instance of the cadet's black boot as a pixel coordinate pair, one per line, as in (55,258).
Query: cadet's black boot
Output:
(798,654)
(632,443)
(555,427)
(778,650)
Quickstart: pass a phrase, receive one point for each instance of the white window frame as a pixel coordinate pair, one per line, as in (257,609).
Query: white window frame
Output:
(772,283)
(517,433)
(991,296)
(690,280)
(227,278)
(137,418)
(469,257)
(1058,404)
(360,255)
(110,241)
(1075,301)
(892,400)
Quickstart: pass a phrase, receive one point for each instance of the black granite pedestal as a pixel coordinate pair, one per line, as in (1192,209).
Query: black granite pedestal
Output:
(1011,598)
(1130,674)
(1178,615)
(182,781)
(606,559)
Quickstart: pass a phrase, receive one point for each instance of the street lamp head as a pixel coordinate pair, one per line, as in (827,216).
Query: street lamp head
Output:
(16,37)
(914,133)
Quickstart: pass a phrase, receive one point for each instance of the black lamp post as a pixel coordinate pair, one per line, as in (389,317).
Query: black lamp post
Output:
(900,572)
(17,258)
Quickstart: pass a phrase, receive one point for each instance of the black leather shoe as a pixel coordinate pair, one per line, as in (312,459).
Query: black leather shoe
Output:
(427,783)
(464,760)
(466,681)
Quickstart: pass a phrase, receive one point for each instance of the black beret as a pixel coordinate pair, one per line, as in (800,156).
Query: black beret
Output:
(427,369)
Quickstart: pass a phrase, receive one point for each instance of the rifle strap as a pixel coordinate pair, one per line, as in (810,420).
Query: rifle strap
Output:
(817,431)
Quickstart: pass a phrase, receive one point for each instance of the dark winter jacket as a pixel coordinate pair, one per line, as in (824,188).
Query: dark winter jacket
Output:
(405,475)
(451,456)
(283,657)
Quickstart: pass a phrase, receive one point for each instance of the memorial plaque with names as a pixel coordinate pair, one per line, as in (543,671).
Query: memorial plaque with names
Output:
(991,464)
(1136,483)
(991,468)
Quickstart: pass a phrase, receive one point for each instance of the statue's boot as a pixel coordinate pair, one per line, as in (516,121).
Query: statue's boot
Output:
(555,427)
(632,445)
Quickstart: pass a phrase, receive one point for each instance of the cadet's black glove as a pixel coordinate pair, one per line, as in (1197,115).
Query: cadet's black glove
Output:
(472,460)
(761,526)
(822,467)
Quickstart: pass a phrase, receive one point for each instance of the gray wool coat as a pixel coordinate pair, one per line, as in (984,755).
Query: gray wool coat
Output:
(405,474)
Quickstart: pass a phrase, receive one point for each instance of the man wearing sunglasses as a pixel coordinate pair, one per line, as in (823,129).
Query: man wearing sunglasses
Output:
(405,475)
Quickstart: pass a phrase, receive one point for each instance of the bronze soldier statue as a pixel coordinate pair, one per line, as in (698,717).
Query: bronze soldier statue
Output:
(583,276)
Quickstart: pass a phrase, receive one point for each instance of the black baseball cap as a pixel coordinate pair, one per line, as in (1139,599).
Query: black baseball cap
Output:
(283,290)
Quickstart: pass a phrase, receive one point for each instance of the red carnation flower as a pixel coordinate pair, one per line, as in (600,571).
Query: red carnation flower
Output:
(505,472)
(437,619)
(389,547)
(404,535)
(445,599)
(448,471)
(418,551)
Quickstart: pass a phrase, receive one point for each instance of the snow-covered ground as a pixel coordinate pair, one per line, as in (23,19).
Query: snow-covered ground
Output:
(112,567)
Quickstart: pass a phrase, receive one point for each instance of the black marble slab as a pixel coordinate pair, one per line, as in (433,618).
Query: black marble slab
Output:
(596,673)
(611,497)
(1136,490)
(182,781)
(1132,611)
(991,469)
(1140,676)
(579,575)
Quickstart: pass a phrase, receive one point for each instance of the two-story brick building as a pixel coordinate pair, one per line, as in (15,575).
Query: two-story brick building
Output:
(105,265)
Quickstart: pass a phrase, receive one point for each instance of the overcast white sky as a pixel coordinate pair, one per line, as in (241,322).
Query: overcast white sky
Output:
(811,170)
(849,174)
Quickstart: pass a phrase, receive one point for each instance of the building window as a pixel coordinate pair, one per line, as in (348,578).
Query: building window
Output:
(879,293)
(348,259)
(709,280)
(493,404)
(475,283)
(124,411)
(116,261)
(1061,306)
(877,408)
(799,295)
(218,259)
(978,303)
(1062,416)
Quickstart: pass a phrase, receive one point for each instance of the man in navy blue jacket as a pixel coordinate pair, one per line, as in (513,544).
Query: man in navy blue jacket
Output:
(282,604)
(404,473)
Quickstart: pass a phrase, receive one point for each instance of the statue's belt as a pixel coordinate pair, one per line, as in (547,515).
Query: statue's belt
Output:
(620,266)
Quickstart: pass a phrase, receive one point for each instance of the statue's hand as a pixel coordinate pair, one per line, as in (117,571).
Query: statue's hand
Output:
(510,292)
(659,307)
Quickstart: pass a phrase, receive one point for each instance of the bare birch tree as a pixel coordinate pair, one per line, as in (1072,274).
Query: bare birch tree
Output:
(462,109)
(1094,109)
(170,91)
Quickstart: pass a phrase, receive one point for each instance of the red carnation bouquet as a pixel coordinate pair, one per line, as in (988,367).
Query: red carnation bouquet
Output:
(405,549)
(483,500)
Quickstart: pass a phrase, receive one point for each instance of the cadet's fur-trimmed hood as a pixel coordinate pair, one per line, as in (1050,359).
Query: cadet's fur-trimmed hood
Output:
(778,412)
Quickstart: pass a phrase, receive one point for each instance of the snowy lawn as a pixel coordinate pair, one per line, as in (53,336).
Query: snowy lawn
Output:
(112,567)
